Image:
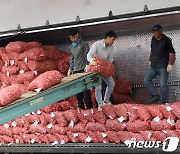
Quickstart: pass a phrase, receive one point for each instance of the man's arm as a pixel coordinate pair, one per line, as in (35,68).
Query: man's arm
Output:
(172,53)
(71,63)
(92,52)
(111,56)
(86,50)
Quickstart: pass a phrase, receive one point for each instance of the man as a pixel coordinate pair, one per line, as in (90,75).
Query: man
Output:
(104,50)
(162,58)
(78,60)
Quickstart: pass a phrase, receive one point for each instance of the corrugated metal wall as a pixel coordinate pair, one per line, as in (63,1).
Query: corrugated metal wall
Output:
(132,49)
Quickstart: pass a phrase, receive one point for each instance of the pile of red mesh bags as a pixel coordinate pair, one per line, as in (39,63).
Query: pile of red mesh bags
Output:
(22,62)
(114,124)
(103,67)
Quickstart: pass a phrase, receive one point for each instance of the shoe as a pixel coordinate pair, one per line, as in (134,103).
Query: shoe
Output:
(99,108)
(155,99)
(107,103)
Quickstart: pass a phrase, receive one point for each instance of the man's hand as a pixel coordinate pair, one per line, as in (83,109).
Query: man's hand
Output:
(149,63)
(169,68)
(69,72)
(93,61)
(86,68)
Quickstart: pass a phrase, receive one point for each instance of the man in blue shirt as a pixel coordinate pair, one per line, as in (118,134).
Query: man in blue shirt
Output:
(78,61)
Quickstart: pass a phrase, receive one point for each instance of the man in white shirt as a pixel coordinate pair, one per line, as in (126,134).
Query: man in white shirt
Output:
(104,50)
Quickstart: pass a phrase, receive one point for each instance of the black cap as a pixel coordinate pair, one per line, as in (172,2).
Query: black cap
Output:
(157,28)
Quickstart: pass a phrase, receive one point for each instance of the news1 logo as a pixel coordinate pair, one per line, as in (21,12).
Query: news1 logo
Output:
(170,144)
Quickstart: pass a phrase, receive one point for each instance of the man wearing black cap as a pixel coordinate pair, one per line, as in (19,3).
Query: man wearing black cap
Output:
(161,62)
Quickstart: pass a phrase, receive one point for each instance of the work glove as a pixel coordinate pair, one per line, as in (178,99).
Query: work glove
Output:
(93,61)
(169,68)
(69,72)
(149,63)
(86,68)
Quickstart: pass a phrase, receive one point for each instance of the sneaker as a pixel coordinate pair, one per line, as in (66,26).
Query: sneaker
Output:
(155,99)
(99,108)
(107,103)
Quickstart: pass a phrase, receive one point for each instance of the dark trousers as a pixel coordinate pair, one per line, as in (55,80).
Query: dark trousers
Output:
(84,97)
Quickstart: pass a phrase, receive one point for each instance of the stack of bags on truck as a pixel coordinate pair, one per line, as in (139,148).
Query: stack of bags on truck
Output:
(114,124)
(21,63)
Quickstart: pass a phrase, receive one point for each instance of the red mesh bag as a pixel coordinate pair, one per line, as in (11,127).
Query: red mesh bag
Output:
(82,137)
(43,139)
(115,125)
(52,53)
(27,76)
(155,111)
(138,125)
(51,138)
(1,64)
(79,127)
(92,137)
(159,135)
(112,137)
(132,111)
(171,133)
(108,110)
(18,139)
(32,118)
(4,55)
(167,111)
(57,129)
(124,135)
(121,110)
(143,113)
(5,131)
(55,107)
(10,94)
(42,67)
(177,124)
(162,125)
(17,46)
(71,115)
(6,139)
(34,44)
(99,116)
(18,130)
(147,135)
(137,136)
(103,67)
(95,126)
(37,54)
(65,105)
(123,87)
(86,116)
(50,118)
(22,66)
(73,137)
(102,137)
(63,66)
(62,138)
(120,98)
(73,101)
(46,80)
(176,109)
(37,129)
(10,69)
